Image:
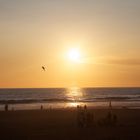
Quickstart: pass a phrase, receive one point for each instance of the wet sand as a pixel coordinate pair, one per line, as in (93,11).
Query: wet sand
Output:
(61,124)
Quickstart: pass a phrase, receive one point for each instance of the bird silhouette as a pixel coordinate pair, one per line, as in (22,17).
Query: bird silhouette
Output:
(43,68)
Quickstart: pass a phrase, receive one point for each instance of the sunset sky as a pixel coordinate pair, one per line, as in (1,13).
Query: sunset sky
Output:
(104,34)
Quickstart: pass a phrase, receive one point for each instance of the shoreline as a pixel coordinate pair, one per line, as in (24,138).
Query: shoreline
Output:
(64,105)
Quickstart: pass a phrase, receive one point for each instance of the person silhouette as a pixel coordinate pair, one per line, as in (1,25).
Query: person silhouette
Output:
(85,107)
(115,120)
(6,107)
(109,118)
(110,105)
(41,107)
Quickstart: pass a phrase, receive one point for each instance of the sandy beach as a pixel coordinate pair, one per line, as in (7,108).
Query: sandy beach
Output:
(62,124)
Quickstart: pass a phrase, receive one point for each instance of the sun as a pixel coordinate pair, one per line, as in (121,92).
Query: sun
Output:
(74,54)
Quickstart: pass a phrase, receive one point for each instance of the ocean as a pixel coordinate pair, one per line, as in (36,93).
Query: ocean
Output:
(33,98)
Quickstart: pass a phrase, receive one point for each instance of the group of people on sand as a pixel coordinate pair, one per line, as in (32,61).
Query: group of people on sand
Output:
(110,120)
(84,118)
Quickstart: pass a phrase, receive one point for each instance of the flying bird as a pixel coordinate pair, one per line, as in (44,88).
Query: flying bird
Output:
(43,68)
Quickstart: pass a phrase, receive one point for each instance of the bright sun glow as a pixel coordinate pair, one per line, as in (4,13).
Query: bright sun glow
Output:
(74,54)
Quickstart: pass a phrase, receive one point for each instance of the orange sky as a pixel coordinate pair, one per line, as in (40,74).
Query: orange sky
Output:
(36,33)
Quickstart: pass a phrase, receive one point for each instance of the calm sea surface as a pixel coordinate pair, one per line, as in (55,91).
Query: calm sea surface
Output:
(63,98)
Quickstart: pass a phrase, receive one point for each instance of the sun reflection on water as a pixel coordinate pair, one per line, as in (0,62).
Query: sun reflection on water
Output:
(74,94)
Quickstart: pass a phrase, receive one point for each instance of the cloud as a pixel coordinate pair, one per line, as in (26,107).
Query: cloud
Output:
(126,61)
(112,61)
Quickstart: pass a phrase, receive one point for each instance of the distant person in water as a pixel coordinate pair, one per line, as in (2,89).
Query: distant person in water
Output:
(6,107)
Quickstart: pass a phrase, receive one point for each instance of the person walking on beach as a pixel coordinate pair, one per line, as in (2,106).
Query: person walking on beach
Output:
(41,107)
(6,107)
(110,105)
